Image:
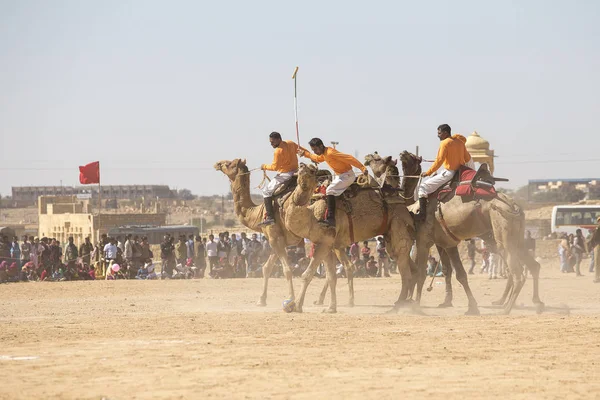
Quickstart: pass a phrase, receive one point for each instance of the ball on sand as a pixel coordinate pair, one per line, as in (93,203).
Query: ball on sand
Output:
(288,305)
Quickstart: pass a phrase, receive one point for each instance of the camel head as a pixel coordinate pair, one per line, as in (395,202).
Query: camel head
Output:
(307,177)
(232,168)
(379,164)
(411,164)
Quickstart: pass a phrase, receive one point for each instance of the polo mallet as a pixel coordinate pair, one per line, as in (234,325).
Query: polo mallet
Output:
(430,288)
(296,104)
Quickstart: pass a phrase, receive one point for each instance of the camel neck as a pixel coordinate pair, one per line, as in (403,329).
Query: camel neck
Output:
(302,195)
(240,188)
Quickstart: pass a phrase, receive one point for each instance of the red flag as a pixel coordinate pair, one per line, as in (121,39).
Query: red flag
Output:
(90,173)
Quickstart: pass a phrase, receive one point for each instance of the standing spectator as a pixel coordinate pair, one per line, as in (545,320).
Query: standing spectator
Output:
(128,251)
(471,254)
(354,252)
(54,253)
(233,252)
(382,258)
(146,254)
(137,253)
(71,254)
(15,250)
(366,252)
(166,253)
(4,249)
(181,251)
(85,251)
(578,250)
(529,244)
(563,253)
(590,248)
(371,267)
(190,251)
(243,250)
(25,251)
(36,253)
(485,257)
(110,252)
(222,246)
(200,257)
(594,244)
(254,248)
(212,251)
(120,244)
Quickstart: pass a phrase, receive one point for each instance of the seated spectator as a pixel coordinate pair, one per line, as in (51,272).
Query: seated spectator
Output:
(371,267)
(3,272)
(223,270)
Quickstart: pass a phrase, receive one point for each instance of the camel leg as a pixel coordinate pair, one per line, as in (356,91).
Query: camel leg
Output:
(534,268)
(321,300)
(414,271)
(447,270)
(507,290)
(267,269)
(462,277)
(349,267)
(422,255)
(319,255)
(399,248)
(330,264)
(519,280)
(279,248)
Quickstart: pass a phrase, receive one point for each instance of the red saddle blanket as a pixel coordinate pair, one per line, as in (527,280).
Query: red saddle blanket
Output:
(464,189)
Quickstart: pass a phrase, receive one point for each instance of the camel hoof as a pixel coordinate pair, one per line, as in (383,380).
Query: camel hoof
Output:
(261,303)
(507,310)
(539,307)
(318,302)
(329,311)
(446,304)
(473,311)
(298,309)
(497,302)
(350,304)
(393,310)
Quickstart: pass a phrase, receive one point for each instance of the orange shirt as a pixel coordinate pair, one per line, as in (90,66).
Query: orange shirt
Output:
(339,162)
(452,154)
(285,158)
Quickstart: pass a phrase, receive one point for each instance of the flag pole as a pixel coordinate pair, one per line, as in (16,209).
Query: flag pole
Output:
(99,201)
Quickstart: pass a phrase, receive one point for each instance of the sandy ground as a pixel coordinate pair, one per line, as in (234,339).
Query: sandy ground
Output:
(206,339)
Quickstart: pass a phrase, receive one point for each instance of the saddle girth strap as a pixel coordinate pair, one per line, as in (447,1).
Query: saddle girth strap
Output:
(442,221)
(350,227)
(384,222)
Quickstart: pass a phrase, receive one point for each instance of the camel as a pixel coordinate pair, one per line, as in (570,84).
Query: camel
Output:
(251,215)
(386,168)
(370,216)
(500,222)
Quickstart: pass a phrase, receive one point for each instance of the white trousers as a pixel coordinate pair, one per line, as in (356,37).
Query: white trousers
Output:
(433,183)
(276,182)
(340,183)
(471,164)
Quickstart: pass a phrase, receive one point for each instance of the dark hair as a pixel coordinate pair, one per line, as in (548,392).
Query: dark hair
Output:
(445,128)
(315,142)
(275,135)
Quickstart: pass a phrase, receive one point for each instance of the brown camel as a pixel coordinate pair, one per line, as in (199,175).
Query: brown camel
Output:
(250,215)
(385,168)
(370,216)
(500,222)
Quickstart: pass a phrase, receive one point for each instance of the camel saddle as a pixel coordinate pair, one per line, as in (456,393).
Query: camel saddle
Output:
(470,184)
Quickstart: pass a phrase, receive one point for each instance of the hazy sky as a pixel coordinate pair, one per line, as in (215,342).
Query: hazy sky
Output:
(158,91)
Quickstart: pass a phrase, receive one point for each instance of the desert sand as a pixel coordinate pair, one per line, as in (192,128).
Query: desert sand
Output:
(207,339)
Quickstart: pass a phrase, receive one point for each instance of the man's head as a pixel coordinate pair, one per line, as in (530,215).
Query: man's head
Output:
(275,139)
(365,243)
(191,237)
(53,243)
(578,232)
(211,237)
(70,239)
(243,234)
(25,238)
(15,239)
(254,236)
(129,236)
(528,235)
(444,131)
(233,236)
(166,238)
(87,239)
(144,239)
(119,238)
(317,146)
